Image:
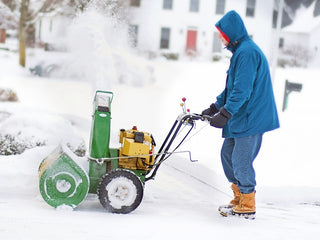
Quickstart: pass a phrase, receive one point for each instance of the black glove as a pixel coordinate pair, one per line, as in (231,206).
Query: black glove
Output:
(212,110)
(220,119)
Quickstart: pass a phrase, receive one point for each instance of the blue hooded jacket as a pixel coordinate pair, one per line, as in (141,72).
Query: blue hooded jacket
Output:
(248,95)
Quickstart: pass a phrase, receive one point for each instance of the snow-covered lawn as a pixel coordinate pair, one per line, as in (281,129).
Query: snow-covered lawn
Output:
(181,203)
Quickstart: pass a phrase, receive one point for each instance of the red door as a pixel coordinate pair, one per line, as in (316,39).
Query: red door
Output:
(191,41)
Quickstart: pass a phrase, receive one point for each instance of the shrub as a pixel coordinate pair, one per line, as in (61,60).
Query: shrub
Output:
(171,56)
(80,150)
(294,56)
(216,58)
(12,145)
(7,95)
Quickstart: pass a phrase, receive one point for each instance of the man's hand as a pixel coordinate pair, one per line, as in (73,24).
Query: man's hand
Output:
(220,119)
(211,110)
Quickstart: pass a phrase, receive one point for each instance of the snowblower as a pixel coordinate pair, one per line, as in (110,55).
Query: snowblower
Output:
(117,175)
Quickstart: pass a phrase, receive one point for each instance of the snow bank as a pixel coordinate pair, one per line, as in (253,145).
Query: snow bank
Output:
(38,128)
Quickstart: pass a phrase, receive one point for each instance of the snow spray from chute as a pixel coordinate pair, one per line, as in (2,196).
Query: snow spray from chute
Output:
(101,52)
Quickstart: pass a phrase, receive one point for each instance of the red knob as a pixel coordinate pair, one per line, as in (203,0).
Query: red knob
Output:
(184,99)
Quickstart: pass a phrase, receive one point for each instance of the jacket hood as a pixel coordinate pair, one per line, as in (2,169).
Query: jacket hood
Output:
(232,26)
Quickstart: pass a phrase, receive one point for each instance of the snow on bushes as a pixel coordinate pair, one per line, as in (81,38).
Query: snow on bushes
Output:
(12,145)
(25,129)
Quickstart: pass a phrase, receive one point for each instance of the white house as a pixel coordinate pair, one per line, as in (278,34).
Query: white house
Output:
(186,27)
(183,27)
(303,33)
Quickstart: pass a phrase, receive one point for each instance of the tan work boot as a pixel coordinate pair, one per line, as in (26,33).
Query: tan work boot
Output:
(247,204)
(235,201)
(236,192)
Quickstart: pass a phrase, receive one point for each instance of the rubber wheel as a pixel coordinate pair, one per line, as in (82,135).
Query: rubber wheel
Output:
(120,191)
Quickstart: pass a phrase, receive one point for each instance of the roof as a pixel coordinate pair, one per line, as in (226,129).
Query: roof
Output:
(304,21)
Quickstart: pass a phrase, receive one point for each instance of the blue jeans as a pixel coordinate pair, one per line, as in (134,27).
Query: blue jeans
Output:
(237,155)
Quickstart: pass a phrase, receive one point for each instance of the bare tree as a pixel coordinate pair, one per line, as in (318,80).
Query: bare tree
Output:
(8,18)
(27,12)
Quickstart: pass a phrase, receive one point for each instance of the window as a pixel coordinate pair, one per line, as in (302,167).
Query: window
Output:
(194,5)
(220,5)
(133,33)
(167,4)
(51,25)
(281,43)
(165,38)
(274,18)
(251,4)
(217,46)
(135,3)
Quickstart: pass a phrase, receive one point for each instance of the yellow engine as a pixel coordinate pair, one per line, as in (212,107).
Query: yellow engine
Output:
(136,149)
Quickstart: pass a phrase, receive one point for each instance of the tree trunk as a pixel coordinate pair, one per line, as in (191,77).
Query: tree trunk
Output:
(22,48)
(22,32)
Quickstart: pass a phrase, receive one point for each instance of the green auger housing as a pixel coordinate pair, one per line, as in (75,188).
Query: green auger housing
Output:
(63,182)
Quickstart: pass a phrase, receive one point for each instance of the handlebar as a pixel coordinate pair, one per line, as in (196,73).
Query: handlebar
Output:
(187,117)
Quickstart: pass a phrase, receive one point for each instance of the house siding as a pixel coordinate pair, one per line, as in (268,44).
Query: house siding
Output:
(179,19)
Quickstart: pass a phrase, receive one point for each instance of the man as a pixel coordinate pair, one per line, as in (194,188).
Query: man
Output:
(245,110)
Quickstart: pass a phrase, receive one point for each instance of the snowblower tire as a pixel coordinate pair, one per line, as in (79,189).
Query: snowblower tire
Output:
(120,191)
